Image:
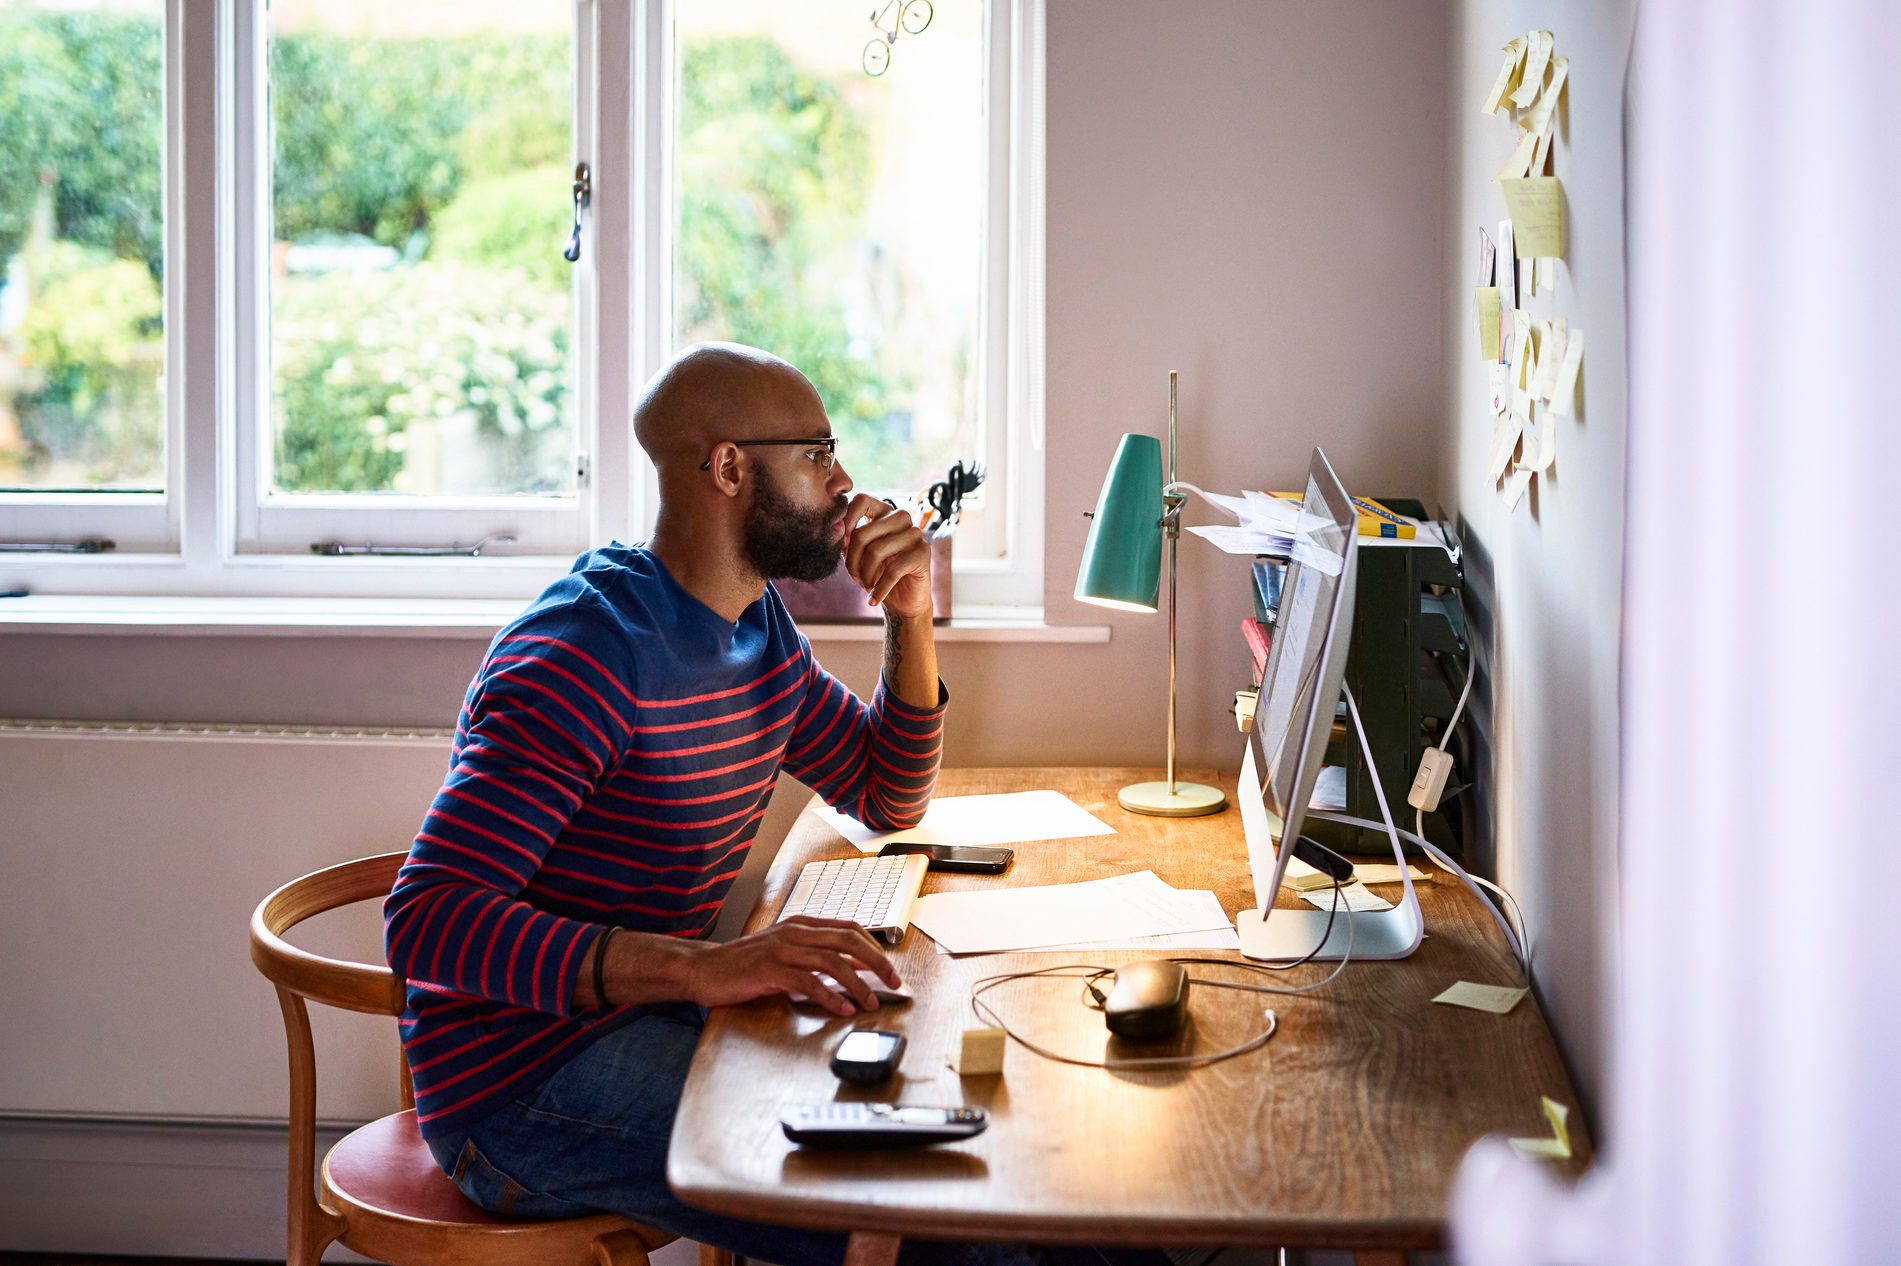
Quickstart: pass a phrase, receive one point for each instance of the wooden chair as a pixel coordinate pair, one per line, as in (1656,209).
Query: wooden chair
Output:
(382,1194)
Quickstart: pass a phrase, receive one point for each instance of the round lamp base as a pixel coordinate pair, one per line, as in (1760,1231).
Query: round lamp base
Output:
(1186,800)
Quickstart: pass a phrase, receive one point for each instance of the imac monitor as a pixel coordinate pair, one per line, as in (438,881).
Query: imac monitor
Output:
(1293,720)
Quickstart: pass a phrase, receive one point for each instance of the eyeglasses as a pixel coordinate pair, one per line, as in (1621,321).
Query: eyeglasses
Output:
(824,450)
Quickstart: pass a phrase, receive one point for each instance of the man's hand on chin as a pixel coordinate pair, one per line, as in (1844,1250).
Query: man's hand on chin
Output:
(889,555)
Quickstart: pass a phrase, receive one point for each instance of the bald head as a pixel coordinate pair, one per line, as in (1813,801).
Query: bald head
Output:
(712,392)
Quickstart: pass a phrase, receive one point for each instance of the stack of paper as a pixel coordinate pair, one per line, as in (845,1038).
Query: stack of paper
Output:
(1097,913)
(1009,818)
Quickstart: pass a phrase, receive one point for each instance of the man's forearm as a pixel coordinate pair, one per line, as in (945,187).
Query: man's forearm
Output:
(640,967)
(910,660)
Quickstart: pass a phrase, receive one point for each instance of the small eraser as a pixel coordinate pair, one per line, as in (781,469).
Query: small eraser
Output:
(981,1054)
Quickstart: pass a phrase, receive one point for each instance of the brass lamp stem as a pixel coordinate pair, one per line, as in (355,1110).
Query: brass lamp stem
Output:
(1172,522)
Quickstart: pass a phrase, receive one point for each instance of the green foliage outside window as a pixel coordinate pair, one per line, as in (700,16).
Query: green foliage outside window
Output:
(455,152)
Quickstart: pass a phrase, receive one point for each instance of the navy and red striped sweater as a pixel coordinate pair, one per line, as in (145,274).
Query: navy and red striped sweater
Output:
(613,759)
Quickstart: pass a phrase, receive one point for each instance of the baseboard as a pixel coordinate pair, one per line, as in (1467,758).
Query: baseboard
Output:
(152,1189)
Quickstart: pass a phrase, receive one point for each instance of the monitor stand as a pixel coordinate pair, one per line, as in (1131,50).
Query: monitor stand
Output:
(1292,935)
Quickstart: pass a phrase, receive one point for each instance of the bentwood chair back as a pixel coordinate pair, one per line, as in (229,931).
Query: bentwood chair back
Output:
(379,1191)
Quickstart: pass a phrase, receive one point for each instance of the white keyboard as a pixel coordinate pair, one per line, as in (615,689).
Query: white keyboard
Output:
(876,893)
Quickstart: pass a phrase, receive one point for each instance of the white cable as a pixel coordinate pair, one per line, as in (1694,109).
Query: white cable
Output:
(1471,671)
(1517,915)
(984,1011)
(1438,855)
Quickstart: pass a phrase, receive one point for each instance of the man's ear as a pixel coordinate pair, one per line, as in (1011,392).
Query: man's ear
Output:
(729,470)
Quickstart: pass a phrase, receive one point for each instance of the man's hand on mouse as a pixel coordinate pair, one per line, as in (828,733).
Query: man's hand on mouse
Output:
(798,956)
(889,555)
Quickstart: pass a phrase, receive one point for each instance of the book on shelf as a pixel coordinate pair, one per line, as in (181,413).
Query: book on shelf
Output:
(1258,638)
(1268,574)
(1375,519)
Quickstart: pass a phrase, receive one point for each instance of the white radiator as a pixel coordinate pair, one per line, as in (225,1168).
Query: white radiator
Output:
(130,859)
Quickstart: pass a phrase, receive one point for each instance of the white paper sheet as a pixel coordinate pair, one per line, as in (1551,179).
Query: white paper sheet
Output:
(1200,902)
(1233,538)
(995,921)
(1007,818)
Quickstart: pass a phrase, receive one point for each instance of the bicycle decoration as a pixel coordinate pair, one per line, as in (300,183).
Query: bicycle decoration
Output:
(907,16)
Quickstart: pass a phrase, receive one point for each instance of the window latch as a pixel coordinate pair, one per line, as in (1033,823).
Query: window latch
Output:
(583,194)
(337,549)
(85,545)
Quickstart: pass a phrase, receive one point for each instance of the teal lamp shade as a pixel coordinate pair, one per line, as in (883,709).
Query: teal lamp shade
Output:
(1122,558)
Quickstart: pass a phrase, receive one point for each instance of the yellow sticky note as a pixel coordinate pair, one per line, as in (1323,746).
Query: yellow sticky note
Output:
(1520,162)
(1507,76)
(1558,1146)
(1387,873)
(1537,207)
(1498,999)
(1307,883)
(1488,322)
(1537,57)
(1540,120)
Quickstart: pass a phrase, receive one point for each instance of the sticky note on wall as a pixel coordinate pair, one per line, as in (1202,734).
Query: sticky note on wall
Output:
(1537,207)
(1488,302)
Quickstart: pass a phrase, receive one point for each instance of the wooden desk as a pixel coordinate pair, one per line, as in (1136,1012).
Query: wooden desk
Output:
(1344,1131)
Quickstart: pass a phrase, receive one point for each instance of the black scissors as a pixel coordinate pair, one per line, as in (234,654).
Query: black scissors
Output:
(947,494)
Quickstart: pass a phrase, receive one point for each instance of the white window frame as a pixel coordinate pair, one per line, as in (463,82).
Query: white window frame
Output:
(210,534)
(137,522)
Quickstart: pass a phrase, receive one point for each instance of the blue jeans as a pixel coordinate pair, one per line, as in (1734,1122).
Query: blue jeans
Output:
(593,1138)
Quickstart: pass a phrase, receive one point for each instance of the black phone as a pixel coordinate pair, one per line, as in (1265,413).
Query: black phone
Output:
(867,1056)
(969,858)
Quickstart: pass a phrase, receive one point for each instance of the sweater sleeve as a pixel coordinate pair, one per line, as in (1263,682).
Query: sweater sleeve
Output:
(547,716)
(877,762)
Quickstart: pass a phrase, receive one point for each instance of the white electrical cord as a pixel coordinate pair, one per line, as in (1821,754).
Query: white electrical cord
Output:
(1439,856)
(1471,671)
(985,1012)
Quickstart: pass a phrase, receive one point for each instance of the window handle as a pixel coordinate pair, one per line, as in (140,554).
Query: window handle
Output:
(86,545)
(583,193)
(337,549)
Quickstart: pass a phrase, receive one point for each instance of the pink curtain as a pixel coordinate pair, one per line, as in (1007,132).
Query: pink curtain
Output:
(1757,1096)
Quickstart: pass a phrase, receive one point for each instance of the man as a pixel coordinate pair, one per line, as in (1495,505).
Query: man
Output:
(614,756)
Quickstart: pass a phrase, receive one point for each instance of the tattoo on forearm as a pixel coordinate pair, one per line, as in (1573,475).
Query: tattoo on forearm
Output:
(893,651)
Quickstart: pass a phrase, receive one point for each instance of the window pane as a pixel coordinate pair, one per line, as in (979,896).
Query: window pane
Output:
(835,218)
(82,258)
(421,321)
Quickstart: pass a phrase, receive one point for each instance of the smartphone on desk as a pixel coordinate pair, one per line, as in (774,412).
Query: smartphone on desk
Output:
(968,858)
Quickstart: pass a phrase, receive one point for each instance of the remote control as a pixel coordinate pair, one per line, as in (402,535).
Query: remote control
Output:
(878,1124)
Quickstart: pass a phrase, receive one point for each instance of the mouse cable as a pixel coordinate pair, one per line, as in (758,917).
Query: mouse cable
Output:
(984,1012)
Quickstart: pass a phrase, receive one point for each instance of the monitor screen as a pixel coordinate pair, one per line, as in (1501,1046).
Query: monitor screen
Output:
(1300,687)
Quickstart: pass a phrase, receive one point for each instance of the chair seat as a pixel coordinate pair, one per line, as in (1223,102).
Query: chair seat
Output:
(396,1205)
(386,1167)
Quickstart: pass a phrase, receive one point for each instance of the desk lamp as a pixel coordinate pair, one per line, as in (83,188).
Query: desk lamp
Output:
(1121,568)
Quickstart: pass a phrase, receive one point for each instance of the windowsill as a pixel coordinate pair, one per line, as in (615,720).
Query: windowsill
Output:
(67,615)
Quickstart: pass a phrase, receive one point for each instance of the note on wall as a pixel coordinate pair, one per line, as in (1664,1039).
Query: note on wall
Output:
(1505,433)
(1537,207)
(1507,265)
(1541,120)
(1513,490)
(1551,349)
(1519,164)
(1507,75)
(1564,391)
(1537,61)
(1488,322)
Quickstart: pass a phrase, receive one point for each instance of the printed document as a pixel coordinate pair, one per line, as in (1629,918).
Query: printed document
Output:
(1007,818)
(995,921)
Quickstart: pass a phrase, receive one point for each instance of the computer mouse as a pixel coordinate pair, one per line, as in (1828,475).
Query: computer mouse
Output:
(1149,999)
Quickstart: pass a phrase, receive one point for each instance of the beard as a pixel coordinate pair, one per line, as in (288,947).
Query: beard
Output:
(783,541)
